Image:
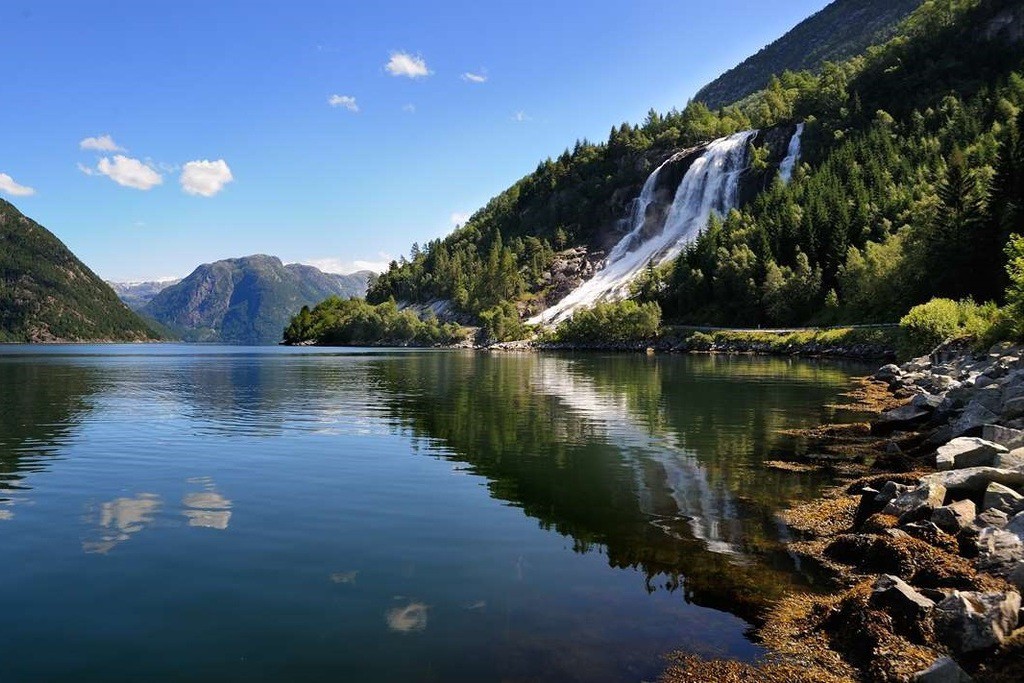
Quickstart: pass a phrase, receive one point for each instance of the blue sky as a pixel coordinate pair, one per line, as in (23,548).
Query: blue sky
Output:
(437,106)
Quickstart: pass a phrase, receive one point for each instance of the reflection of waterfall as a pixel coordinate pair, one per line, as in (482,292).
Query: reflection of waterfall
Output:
(710,185)
(792,155)
(709,511)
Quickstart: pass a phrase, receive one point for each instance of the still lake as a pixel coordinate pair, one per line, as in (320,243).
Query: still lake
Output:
(173,512)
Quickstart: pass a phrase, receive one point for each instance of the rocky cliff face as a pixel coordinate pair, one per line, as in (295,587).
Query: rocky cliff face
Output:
(48,295)
(246,300)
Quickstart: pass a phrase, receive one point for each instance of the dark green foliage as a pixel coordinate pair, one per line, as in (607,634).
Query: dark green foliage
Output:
(840,31)
(246,300)
(502,323)
(620,321)
(47,294)
(354,322)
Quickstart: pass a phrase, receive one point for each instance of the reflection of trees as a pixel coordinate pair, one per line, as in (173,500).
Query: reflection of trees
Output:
(42,404)
(656,460)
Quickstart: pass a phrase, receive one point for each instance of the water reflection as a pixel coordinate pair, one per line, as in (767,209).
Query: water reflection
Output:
(206,508)
(408,618)
(118,519)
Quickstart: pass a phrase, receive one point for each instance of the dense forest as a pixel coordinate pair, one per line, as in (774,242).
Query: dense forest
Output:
(911,183)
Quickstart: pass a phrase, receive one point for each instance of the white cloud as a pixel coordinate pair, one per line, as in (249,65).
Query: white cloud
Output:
(474,78)
(404,64)
(520,117)
(205,178)
(8,186)
(101,143)
(129,172)
(458,218)
(346,101)
(409,108)
(87,170)
(336,265)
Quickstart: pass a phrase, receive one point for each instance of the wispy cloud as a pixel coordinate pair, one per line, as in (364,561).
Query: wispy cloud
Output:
(127,172)
(343,267)
(409,108)
(520,117)
(101,143)
(458,218)
(405,64)
(346,101)
(10,187)
(475,77)
(205,178)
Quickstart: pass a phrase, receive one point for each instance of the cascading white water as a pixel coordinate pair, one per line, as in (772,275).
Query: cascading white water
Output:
(792,155)
(710,185)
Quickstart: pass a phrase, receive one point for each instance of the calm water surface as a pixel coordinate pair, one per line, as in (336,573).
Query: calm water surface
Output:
(230,514)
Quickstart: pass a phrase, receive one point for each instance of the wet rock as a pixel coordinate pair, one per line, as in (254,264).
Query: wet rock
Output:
(1003,498)
(973,621)
(944,670)
(901,601)
(1004,436)
(900,418)
(967,451)
(917,503)
(955,516)
(974,479)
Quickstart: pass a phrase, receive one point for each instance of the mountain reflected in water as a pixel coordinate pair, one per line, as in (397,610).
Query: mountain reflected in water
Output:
(384,513)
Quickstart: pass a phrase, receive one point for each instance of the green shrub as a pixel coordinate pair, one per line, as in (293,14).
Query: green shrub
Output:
(619,321)
(502,323)
(353,322)
(930,324)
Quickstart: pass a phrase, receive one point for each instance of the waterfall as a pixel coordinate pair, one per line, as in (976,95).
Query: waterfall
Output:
(792,155)
(711,184)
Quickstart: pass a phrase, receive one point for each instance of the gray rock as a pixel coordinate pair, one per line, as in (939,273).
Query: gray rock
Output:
(983,381)
(904,417)
(955,516)
(918,503)
(967,451)
(889,372)
(975,415)
(944,670)
(996,519)
(1016,525)
(998,550)
(899,599)
(1013,459)
(974,479)
(1013,408)
(1015,575)
(928,402)
(1004,436)
(974,621)
(1003,498)
(890,491)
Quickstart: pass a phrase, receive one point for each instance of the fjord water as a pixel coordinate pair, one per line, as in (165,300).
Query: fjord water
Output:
(231,514)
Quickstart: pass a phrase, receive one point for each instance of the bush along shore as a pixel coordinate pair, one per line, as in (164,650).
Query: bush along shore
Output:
(924,548)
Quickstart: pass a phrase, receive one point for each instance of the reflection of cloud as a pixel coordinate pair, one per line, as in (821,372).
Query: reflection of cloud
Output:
(412,617)
(6,514)
(345,577)
(478,605)
(120,518)
(208,508)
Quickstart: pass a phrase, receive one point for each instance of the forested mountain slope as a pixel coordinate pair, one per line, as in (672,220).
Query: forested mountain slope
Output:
(843,29)
(48,295)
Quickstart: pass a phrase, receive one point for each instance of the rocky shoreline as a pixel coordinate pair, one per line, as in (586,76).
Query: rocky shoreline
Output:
(925,551)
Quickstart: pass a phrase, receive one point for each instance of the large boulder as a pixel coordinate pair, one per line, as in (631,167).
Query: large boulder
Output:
(944,670)
(904,417)
(888,373)
(975,479)
(955,516)
(1012,460)
(1003,498)
(974,621)
(967,451)
(917,503)
(999,550)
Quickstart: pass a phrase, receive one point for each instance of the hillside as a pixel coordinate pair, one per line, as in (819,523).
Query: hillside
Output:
(48,295)
(841,30)
(138,294)
(246,300)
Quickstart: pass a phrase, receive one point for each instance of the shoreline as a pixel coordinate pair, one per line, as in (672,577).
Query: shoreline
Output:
(922,539)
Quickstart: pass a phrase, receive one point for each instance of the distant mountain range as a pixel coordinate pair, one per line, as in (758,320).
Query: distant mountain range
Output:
(841,30)
(48,295)
(138,294)
(246,300)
